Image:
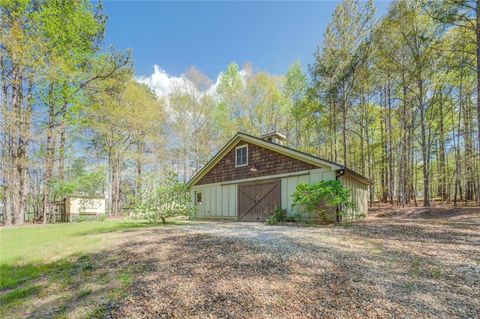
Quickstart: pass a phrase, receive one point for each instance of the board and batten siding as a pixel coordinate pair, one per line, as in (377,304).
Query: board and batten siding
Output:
(289,184)
(220,200)
(359,193)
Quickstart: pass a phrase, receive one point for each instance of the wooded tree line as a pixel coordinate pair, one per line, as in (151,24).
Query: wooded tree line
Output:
(54,79)
(395,99)
(399,98)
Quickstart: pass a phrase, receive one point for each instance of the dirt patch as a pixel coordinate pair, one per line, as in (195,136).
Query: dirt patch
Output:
(386,268)
(441,214)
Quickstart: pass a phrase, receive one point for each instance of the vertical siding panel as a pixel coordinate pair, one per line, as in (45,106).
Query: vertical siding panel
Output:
(284,193)
(361,197)
(211,194)
(359,193)
(328,175)
(231,200)
(352,186)
(355,190)
(365,201)
(367,195)
(219,198)
(357,196)
(303,179)
(213,200)
(202,207)
(292,184)
(206,201)
(316,177)
(235,202)
(288,186)
(225,200)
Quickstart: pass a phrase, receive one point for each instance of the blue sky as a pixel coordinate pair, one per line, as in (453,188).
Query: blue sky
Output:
(210,35)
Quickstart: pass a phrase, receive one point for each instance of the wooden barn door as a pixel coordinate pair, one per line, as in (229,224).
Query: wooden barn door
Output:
(257,201)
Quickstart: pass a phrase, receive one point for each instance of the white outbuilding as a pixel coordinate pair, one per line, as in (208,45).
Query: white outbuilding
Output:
(252,176)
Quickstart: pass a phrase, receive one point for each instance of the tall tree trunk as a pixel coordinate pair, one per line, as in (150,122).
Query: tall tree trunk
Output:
(362,140)
(17,98)
(469,159)
(403,150)
(411,157)
(456,140)
(139,167)
(297,131)
(383,161)
(344,128)
(116,181)
(391,179)
(330,135)
(63,137)
(477,161)
(50,152)
(424,146)
(477,32)
(22,156)
(442,156)
(370,164)
(335,149)
(6,149)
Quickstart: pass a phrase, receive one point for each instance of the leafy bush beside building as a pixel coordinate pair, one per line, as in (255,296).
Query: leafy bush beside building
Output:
(319,201)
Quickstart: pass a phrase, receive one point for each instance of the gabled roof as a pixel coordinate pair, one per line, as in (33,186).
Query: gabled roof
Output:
(287,151)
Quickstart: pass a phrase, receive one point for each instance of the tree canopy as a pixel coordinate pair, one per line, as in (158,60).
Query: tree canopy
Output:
(394,98)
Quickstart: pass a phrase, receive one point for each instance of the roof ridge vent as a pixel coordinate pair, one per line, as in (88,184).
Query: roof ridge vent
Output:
(274,137)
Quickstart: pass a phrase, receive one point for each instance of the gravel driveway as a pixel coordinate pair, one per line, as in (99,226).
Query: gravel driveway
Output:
(391,268)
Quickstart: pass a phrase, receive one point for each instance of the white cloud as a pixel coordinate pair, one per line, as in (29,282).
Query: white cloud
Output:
(163,83)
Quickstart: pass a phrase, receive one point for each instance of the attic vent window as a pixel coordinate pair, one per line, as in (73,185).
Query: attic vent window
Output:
(241,156)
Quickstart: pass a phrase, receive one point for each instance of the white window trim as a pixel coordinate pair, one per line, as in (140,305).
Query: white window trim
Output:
(236,148)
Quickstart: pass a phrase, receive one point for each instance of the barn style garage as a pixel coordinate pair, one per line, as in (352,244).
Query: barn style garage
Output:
(252,176)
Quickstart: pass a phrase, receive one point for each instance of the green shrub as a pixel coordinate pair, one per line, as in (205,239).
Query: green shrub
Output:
(281,215)
(317,199)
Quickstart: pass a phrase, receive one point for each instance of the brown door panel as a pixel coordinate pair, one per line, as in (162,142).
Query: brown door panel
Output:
(258,200)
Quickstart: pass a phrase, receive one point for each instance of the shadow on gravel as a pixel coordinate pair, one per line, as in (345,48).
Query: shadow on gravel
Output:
(261,271)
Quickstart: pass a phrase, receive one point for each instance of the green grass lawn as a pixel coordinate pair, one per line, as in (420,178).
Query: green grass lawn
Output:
(68,263)
(50,242)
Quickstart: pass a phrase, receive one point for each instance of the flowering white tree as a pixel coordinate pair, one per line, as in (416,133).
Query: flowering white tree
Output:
(167,200)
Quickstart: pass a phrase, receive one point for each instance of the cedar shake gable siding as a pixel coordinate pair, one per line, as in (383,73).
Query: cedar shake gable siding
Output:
(267,162)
